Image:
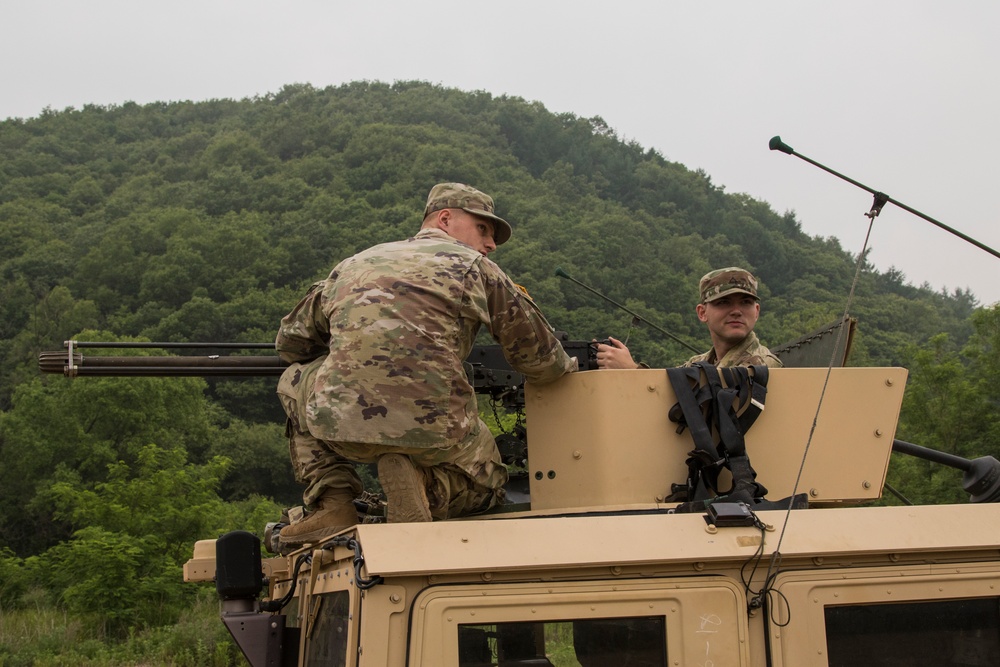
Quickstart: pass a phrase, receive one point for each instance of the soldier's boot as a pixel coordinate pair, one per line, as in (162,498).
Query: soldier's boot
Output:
(335,511)
(405,489)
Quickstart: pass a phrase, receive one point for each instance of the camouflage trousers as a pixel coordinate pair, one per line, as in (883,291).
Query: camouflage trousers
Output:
(462,478)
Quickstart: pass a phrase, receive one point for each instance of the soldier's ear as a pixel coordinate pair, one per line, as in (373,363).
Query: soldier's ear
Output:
(438,220)
(700,310)
(444,219)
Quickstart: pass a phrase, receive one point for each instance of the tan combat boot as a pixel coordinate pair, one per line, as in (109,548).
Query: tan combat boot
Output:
(334,513)
(405,491)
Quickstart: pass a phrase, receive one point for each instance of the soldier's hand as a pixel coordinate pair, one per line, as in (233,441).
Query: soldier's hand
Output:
(615,355)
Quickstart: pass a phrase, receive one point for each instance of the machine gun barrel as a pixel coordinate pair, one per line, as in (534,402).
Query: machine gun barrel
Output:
(78,365)
(169,345)
(489,371)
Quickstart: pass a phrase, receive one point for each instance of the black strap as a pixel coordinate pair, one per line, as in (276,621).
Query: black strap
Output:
(694,397)
(728,401)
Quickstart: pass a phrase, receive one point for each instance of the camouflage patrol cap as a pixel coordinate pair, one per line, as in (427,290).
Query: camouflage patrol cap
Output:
(723,282)
(470,200)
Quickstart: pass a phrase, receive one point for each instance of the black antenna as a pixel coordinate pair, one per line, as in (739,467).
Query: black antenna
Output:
(776,144)
(640,318)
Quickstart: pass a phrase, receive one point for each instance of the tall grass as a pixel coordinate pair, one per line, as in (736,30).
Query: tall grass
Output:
(39,635)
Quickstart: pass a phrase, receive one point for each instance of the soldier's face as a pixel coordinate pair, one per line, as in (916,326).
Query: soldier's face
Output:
(471,230)
(730,318)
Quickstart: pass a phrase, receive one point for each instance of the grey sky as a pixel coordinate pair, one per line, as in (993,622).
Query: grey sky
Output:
(899,95)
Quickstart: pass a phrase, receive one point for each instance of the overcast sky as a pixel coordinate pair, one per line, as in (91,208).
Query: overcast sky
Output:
(901,95)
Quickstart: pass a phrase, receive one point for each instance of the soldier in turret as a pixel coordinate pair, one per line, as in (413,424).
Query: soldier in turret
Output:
(730,307)
(378,350)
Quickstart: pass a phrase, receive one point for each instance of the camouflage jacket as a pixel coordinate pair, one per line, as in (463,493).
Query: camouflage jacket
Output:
(748,353)
(395,322)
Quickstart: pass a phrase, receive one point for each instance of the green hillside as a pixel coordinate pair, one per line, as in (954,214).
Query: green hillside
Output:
(194,221)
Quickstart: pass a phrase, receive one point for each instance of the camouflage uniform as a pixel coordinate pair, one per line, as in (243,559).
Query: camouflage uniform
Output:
(748,353)
(379,347)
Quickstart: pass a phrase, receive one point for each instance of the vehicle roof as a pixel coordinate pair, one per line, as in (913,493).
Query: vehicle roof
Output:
(575,541)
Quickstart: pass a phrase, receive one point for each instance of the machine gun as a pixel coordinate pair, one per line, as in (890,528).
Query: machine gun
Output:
(487,369)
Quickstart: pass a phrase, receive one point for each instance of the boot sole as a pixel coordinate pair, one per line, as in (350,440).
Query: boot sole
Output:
(406,498)
(326,524)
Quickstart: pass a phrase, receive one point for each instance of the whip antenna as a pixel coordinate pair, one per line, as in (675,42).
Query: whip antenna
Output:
(640,318)
(881,199)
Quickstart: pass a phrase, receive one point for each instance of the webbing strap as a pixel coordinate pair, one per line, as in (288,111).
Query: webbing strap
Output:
(728,400)
(691,393)
(750,385)
(704,462)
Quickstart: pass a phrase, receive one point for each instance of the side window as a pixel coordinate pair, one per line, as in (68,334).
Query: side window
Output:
(328,630)
(934,632)
(621,623)
(912,615)
(635,642)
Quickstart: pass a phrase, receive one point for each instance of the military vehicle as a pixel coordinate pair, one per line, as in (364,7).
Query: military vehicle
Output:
(595,563)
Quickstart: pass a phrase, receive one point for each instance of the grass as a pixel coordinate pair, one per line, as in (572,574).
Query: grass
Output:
(38,635)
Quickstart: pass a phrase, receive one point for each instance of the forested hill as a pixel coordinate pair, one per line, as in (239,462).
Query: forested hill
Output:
(205,221)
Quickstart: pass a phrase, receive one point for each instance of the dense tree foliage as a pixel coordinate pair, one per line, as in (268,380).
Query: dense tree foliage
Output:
(950,405)
(191,221)
(206,222)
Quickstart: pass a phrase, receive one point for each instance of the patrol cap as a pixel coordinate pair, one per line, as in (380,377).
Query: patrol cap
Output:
(470,200)
(723,282)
